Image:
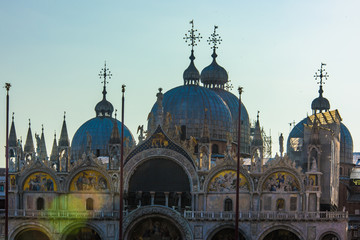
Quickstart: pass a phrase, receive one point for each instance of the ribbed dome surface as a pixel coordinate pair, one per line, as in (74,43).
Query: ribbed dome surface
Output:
(233,103)
(187,105)
(346,142)
(100,129)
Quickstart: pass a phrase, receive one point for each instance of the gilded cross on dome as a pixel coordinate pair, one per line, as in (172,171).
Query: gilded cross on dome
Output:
(105,73)
(214,39)
(193,38)
(322,75)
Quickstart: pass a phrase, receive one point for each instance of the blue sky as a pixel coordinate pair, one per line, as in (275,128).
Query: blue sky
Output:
(51,52)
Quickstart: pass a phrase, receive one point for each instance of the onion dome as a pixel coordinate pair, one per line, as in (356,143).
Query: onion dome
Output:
(104,107)
(320,103)
(191,106)
(214,76)
(191,74)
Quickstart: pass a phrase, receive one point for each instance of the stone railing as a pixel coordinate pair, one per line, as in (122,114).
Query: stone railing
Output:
(250,215)
(190,215)
(20,213)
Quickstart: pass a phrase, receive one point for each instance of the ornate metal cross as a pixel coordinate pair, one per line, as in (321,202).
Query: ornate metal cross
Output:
(322,76)
(105,73)
(214,39)
(193,38)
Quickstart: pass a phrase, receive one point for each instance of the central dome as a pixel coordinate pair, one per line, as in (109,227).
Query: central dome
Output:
(190,105)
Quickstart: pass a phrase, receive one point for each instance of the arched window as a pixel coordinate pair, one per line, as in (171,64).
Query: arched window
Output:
(228,205)
(215,149)
(40,203)
(280,204)
(89,204)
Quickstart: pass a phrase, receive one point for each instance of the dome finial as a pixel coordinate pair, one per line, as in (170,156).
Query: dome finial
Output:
(13,116)
(320,103)
(105,73)
(191,74)
(321,77)
(214,76)
(214,40)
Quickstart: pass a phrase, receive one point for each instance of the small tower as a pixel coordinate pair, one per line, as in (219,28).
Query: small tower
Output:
(54,157)
(204,146)
(313,174)
(64,148)
(15,149)
(114,146)
(29,150)
(257,148)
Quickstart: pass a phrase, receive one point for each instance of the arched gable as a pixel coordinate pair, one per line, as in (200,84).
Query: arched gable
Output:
(227,174)
(132,164)
(39,179)
(88,179)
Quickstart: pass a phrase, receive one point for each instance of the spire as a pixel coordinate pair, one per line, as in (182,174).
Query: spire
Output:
(12,136)
(29,144)
(191,74)
(320,104)
(104,108)
(64,139)
(257,140)
(115,135)
(315,138)
(214,76)
(160,109)
(43,152)
(54,150)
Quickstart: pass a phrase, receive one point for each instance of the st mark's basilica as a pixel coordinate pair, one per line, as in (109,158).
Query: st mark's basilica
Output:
(180,171)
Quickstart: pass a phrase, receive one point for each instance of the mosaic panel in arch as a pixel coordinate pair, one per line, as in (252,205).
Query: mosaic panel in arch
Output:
(225,181)
(40,181)
(281,182)
(89,180)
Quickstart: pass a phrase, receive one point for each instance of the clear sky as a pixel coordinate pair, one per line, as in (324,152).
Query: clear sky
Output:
(52,51)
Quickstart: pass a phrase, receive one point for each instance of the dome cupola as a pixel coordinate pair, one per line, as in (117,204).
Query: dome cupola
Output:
(320,103)
(104,108)
(191,74)
(214,76)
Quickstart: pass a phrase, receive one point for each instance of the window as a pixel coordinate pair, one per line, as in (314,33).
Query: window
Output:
(267,203)
(341,171)
(40,203)
(280,204)
(183,133)
(228,205)
(293,203)
(89,204)
(215,149)
(1,188)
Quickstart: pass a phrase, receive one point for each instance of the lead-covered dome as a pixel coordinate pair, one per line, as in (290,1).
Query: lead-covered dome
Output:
(296,136)
(320,103)
(233,104)
(99,128)
(192,107)
(214,75)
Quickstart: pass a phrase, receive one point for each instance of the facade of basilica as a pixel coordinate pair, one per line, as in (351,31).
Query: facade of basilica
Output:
(180,174)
